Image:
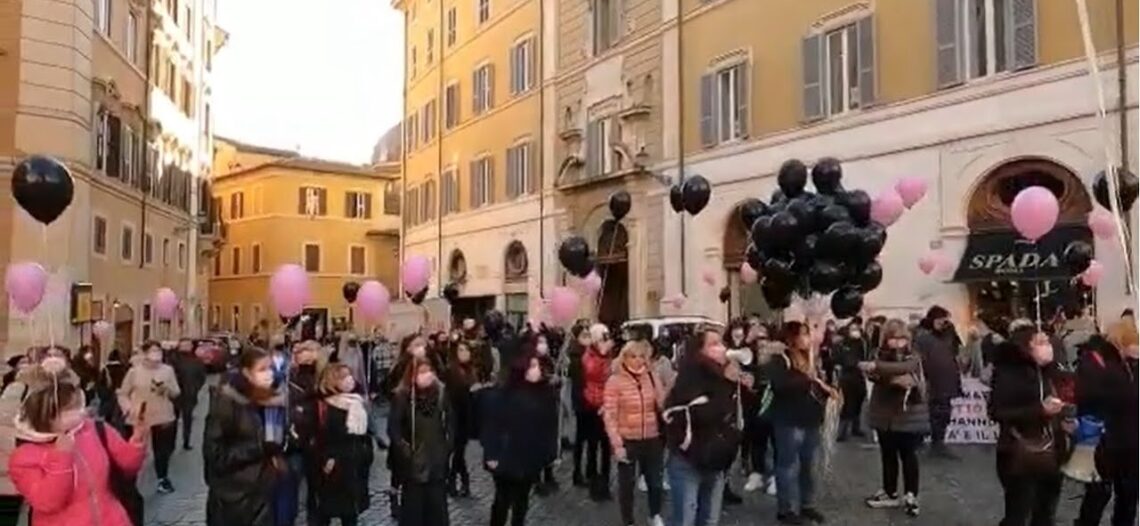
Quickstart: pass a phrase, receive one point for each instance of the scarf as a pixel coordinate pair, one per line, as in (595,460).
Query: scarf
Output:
(353,404)
(274,410)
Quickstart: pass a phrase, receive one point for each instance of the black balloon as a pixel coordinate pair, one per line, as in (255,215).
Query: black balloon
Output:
(676,198)
(451,292)
(792,177)
(620,204)
(418,297)
(858,205)
(1127,185)
(838,240)
(846,302)
(754,258)
(825,277)
(868,244)
(696,194)
(776,295)
(778,270)
(878,231)
(806,251)
(1077,257)
(826,175)
(349,291)
(725,295)
(785,229)
(831,214)
(43,187)
(804,211)
(750,210)
(870,277)
(762,232)
(777,197)
(574,253)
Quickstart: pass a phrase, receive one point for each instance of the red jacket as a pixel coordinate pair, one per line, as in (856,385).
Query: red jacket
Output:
(596,370)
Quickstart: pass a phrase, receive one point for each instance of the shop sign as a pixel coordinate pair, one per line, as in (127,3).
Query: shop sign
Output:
(1004,255)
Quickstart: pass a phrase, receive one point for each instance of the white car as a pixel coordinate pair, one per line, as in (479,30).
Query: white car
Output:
(655,326)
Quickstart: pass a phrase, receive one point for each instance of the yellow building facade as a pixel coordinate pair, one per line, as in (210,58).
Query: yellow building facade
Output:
(274,207)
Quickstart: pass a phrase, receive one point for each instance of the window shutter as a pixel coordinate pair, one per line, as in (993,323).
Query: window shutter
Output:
(592,132)
(533,169)
(489,179)
(349,204)
(865,34)
(301,200)
(532,65)
(490,86)
(813,77)
(476,89)
(367,205)
(947,20)
(1022,33)
(512,172)
(743,80)
(615,22)
(708,110)
(473,184)
(322,202)
(114,146)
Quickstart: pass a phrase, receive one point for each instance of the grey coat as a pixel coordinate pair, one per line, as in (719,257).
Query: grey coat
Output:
(940,363)
(894,408)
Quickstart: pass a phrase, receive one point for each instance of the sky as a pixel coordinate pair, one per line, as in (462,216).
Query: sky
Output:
(324,76)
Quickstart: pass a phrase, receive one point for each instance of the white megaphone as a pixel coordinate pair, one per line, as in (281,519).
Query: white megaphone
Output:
(1081,466)
(740,356)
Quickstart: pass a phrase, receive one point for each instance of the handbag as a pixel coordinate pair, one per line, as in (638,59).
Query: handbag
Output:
(123,486)
(1033,456)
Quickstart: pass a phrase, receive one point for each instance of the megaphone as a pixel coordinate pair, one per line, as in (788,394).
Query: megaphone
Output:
(740,356)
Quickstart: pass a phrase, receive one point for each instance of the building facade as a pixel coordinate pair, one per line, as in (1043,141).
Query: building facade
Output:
(274,207)
(83,81)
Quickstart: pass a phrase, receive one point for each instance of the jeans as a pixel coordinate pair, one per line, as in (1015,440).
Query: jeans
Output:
(288,494)
(939,420)
(162,440)
(1097,495)
(795,458)
(895,446)
(1030,500)
(757,435)
(580,431)
(695,495)
(512,496)
(646,456)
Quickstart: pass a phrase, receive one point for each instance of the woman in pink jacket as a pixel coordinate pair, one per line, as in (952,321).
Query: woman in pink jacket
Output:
(633,397)
(62,467)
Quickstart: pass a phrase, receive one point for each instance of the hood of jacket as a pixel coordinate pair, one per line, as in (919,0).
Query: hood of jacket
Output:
(233,391)
(25,433)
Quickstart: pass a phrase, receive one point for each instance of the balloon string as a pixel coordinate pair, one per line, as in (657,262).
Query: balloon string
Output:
(49,306)
(1037,288)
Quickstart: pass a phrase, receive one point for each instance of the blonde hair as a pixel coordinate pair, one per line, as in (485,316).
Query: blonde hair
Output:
(630,347)
(331,377)
(895,328)
(1122,333)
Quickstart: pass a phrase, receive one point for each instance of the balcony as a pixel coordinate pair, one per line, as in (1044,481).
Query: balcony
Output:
(212,234)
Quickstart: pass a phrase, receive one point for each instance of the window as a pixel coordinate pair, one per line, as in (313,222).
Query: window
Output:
(128,154)
(430,45)
(148,248)
(482,182)
(235,260)
(312,201)
(237,205)
(452,26)
(451,106)
(255,312)
(356,259)
(839,69)
(235,318)
(978,38)
(427,204)
(412,215)
(606,24)
(519,170)
(166,252)
(255,254)
(181,255)
(413,131)
(146,319)
(132,40)
(429,121)
(186,98)
(522,66)
(600,156)
(392,199)
(312,257)
(358,205)
(188,22)
(218,264)
(127,243)
(99,235)
(483,10)
(102,135)
(413,71)
(449,192)
(483,84)
(724,105)
(215,316)
(103,16)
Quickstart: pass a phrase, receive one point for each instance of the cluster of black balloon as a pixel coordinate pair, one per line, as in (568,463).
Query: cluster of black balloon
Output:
(821,243)
(349,290)
(1078,256)
(1127,185)
(574,252)
(691,195)
(43,187)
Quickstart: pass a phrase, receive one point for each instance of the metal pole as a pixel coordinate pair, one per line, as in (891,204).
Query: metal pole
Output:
(681,130)
(541,75)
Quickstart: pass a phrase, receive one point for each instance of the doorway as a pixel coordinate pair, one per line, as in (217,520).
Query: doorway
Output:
(124,317)
(471,307)
(314,324)
(613,268)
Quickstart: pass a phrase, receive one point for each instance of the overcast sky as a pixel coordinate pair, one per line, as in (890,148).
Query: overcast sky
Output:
(322,76)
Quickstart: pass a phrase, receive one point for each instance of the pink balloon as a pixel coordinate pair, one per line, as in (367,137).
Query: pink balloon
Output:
(928,262)
(592,283)
(289,290)
(911,190)
(748,274)
(1091,276)
(564,304)
(887,207)
(415,274)
(373,300)
(1102,224)
(165,304)
(709,277)
(1034,212)
(102,329)
(26,283)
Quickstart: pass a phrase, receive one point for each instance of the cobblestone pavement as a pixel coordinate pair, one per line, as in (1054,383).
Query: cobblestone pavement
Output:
(959,493)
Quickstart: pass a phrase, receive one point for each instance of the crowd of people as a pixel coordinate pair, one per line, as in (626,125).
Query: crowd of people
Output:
(297,425)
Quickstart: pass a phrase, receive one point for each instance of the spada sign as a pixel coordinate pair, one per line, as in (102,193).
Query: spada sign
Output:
(1004,255)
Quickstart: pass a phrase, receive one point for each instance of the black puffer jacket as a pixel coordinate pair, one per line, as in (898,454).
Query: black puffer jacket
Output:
(520,429)
(1107,389)
(1019,386)
(239,468)
(420,431)
(710,428)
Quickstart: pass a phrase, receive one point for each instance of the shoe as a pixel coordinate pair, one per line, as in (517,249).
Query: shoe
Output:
(381,444)
(656,520)
(812,515)
(771,489)
(859,433)
(187,447)
(844,426)
(465,491)
(881,500)
(452,490)
(730,497)
(755,482)
(910,501)
(790,518)
(165,487)
(641,485)
(579,480)
(942,452)
(665,484)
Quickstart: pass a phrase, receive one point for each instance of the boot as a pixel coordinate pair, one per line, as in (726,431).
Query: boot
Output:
(579,480)
(730,497)
(465,488)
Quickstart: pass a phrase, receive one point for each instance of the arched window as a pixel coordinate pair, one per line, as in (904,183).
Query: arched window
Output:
(515,262)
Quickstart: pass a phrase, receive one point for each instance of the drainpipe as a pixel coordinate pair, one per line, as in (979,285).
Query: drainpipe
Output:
(439,109)
(541,76)
(403,166)
(145,186)
(681,128)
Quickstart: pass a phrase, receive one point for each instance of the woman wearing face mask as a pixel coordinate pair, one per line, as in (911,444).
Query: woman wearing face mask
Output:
(850,352)
(344,450)
(547,484)
(1031,441)
(633,399)
(63,466)
(758,432)
(153,384)
(596,368)
(461,379)
(304,426)
(574,354)
(243,460)
(519,437)
(898,415)
(420,433)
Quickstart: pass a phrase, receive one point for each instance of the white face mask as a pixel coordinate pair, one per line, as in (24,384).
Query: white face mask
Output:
(263,379)
(154,356)
(347,384)
(69,420)
(534,374)
(419,351)
(1042,353)
(425,380)
(856,334)
(542,349)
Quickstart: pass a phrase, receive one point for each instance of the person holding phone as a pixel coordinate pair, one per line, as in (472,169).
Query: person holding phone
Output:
(152,384)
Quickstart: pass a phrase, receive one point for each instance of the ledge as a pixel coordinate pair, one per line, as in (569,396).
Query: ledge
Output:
(570,134)
(635,111)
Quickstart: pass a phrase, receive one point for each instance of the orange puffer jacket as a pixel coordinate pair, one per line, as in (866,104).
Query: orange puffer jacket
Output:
(631,406)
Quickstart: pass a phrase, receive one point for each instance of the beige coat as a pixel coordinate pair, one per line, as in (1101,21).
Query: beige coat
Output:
(156,386)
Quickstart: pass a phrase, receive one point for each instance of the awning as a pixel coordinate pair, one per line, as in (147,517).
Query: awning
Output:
(1004,255)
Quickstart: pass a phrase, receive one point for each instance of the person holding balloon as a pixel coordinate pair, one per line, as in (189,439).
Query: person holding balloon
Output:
(419,431)
(153,385)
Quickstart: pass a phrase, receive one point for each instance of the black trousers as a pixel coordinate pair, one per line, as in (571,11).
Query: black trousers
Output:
(1030,500)
(162,442)
(10,509)
(185,413)
(512,497)
(854,393)
(597,449)
(423,504)
(939,419)
(757,437)
(897,448)
(648,457)
(1097,495)
(459,464)
(580,425)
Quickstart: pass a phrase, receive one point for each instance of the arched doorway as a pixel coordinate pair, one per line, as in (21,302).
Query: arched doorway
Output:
(1010,276)
(516,302)
(613,267)
(465,306)
(746,298)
